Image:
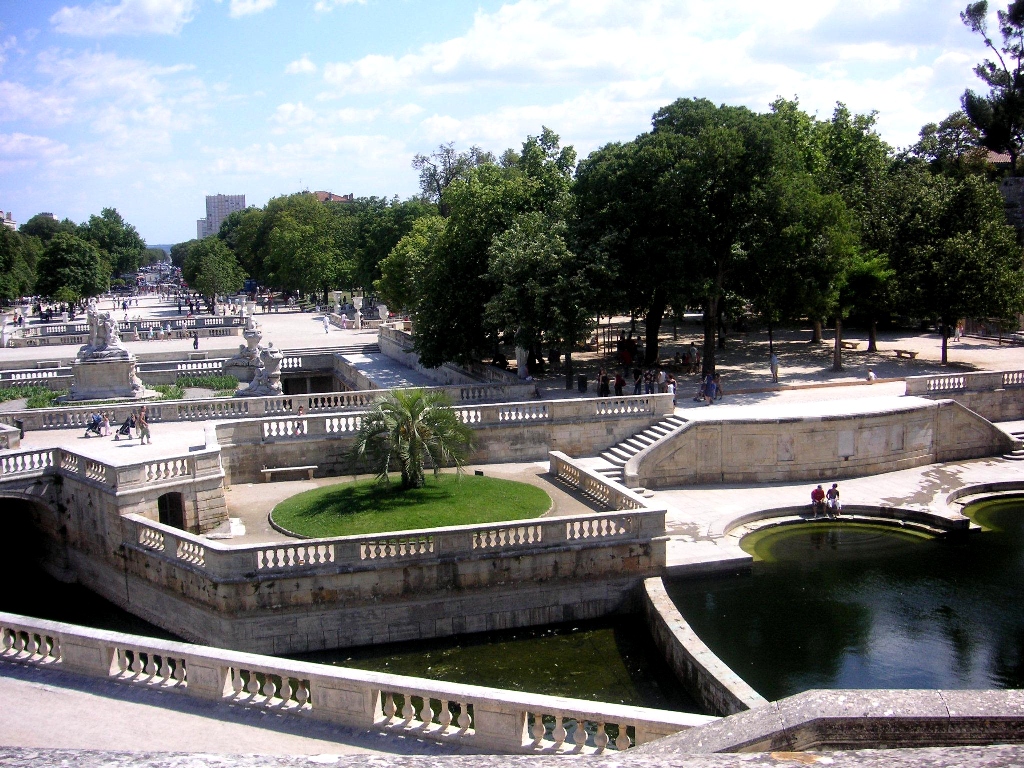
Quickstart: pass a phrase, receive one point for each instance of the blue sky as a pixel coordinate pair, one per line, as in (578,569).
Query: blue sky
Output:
(149,105)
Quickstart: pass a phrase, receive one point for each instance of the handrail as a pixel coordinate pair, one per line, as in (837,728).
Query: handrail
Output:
(488,718)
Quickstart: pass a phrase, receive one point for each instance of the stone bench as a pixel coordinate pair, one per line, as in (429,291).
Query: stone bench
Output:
(269,471)
(906,353)
(850,344)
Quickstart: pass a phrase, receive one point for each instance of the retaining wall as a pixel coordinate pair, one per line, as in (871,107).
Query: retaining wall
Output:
(754,450)
(994,395)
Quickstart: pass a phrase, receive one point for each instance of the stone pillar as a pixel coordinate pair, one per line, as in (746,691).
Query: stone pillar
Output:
(206,679)
(500,726)
(86,657)
(345,702)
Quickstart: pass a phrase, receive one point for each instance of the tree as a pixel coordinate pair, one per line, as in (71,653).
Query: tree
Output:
(952,147)
(115,237)
(443,166)
(73,264)
(402,271)
(179,252)
(44,226)
(18,257)
(412,428)
(999,116)
(211,269)
(309,248)
(544,292)
(152,256)
(955,254)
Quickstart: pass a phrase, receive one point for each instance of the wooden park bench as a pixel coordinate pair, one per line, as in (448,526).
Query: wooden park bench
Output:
(268,471)
(906,353)
(850,344)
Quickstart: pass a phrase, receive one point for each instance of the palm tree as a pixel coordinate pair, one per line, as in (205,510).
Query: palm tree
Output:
(410,427)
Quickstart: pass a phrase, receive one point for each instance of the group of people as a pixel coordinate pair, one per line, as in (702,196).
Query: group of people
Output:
(138,422)
(710,389)
(826,503)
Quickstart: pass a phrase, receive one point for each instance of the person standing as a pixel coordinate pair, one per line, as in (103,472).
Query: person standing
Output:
(143,423)
(327,325)
(195,339)
(638,380)
(773,366)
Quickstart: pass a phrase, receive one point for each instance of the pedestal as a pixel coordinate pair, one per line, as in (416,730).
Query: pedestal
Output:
(105,379)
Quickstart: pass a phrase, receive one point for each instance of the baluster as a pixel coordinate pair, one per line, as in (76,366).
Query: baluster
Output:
(236,680)
(389,706)
(622,741)
(269,689)
(179,670)
(254,685)
(286,690)
(150,667)
(136,662)
(445,716)
(426,711)
(538,728)
(559,733)
(407,710)
(122,660)
(302,694)
(579,733)
(463,716)
(600,738)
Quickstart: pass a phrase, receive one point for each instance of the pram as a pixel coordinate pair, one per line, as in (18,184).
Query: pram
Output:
(95,426)
(126,428)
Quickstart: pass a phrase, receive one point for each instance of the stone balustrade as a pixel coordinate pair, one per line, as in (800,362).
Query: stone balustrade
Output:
(346,554)
(995,395)
(484,718)
(594,485)
(195,465)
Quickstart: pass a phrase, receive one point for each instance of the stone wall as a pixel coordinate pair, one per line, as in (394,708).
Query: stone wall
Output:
(706,677)
(754,450)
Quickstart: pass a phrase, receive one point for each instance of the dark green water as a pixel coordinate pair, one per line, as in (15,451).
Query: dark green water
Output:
(845,606)
(612,660)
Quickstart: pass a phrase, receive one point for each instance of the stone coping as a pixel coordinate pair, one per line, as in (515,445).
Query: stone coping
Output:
(862,719)
(652,757)
(947,521)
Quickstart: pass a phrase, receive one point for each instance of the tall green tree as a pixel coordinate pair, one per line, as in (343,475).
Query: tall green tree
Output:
(442,167)
(412,429)
(18,258)
(310,249)
(73,265)
(211,269)
(402,271)
(44,226)
(115,237)
(952,146)
(999,114)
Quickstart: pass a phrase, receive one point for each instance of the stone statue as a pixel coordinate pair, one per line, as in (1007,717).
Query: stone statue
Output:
(266,380)
(104,368)
(243,365)
(104,340)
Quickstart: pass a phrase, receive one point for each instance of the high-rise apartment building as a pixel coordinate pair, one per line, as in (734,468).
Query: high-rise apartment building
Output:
(218,208)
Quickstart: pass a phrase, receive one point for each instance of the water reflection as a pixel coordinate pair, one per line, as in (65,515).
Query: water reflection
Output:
(844,606)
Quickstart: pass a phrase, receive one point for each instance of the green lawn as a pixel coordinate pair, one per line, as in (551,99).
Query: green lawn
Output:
(368,507)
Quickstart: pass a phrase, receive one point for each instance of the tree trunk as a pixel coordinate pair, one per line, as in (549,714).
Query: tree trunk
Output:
(568,369)
(816,333)
(771,341)
(710,315)
(837,351)
(872,337)
(654,317)
(945,341)
(722,330)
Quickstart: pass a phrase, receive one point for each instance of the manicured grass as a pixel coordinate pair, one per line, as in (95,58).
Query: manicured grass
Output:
(169,391)
(366,506)
(208,382)
(32,392)
(44,398)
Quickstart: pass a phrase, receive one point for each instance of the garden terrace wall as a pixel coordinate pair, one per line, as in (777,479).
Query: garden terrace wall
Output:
(995,395)
(503,432)
(753,450)
(481,718)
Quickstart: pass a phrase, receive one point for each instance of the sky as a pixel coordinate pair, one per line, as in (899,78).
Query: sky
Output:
(149,105)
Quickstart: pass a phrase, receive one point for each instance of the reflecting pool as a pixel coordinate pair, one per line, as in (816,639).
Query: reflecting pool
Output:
(611,660)
(836,605)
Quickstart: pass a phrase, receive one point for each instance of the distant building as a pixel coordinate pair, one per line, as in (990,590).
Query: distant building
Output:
(8,219)
(330,197)
(218,208)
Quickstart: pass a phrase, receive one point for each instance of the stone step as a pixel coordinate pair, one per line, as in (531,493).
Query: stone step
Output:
(613,459)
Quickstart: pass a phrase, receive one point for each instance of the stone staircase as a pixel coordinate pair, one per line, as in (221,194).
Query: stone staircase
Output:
(620,453)
(1017,454)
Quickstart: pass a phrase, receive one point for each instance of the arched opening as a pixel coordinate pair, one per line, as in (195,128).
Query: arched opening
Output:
(172,510)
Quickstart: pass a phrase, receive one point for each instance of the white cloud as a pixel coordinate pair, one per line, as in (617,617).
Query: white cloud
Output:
(406,112)
(301,66)
(128,17)
(290,116)
(241,8)
(326,6)
(21,150)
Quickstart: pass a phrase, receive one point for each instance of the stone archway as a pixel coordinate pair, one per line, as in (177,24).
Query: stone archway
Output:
(171,507)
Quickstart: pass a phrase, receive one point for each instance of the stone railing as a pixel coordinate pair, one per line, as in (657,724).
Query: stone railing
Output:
(986,381)
(346,554)
(484,718)
(594,485)
(565,410)
(233,407)
(128,477)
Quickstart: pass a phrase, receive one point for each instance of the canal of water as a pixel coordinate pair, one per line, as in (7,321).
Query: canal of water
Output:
(836,605)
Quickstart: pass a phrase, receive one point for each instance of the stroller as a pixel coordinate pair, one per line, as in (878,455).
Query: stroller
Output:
(126,428)
(94,426)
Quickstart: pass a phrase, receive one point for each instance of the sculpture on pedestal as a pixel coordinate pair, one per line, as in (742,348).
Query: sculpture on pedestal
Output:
(259,365)
(243,365)
(104,367)
(266,379)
